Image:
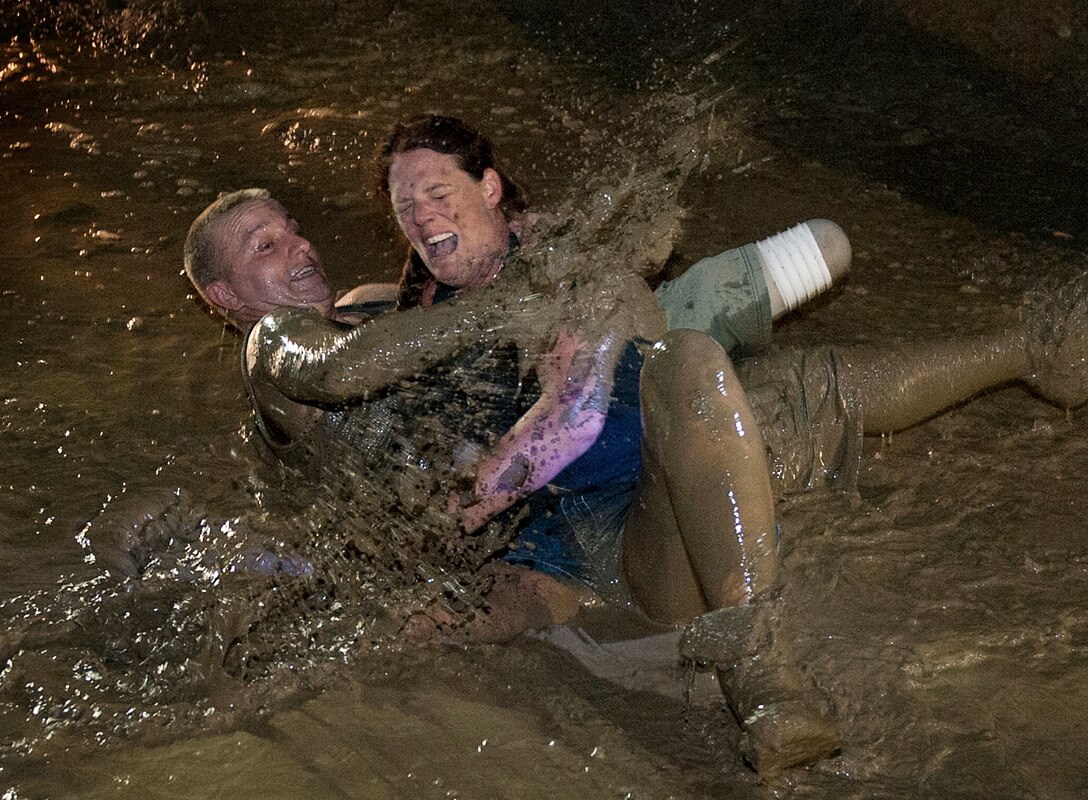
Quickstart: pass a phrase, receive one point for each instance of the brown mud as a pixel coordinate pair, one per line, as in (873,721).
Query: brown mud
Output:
(938,610)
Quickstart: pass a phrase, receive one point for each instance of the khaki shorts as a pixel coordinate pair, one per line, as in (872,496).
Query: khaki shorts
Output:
(725,296)
(811,425)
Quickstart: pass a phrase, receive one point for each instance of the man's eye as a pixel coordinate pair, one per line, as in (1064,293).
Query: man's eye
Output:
(264,247)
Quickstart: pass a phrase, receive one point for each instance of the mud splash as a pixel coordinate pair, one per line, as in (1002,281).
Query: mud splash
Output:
(121,386)
(221,594)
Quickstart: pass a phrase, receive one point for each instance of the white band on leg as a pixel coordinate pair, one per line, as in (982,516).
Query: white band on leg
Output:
(796,264)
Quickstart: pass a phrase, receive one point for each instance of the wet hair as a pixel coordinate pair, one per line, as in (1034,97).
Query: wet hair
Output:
(470,148)
(202,263)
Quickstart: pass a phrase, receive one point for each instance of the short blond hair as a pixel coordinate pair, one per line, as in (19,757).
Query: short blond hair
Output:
(202,262)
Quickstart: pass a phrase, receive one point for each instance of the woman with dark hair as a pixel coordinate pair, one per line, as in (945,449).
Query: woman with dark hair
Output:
(470,148)
(473,154)
(734,296)
(650,466)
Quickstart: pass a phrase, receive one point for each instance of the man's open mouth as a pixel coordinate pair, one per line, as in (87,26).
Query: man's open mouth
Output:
(304,273)
(441,244)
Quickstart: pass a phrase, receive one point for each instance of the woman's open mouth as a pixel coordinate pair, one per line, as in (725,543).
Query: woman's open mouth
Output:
(441,244)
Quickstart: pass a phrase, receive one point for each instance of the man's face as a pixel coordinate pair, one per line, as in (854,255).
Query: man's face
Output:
(452,220)
(269,264)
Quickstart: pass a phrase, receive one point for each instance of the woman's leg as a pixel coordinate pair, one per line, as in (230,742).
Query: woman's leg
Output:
(701,534)
(702,537)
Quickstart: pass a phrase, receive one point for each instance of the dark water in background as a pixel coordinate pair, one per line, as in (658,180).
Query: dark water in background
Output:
(940,610)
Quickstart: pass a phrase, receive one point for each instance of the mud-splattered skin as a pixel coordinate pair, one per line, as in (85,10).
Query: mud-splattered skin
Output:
(575,375)
(451,219)
(720,444)
(300,362)
(455,224)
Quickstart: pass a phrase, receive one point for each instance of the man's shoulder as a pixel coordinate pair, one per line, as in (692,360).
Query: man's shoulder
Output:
(284,330)
(368,293)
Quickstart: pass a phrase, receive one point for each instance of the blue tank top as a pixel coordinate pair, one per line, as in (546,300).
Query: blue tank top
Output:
(575,521)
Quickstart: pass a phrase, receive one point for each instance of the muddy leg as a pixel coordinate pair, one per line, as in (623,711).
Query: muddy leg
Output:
(702,537)
(702,533)
(903,386)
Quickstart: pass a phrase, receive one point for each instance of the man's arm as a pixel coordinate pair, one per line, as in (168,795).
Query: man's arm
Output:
(311,360)
(576,385)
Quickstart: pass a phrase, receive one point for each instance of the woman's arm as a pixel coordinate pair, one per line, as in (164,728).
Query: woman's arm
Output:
(576,386)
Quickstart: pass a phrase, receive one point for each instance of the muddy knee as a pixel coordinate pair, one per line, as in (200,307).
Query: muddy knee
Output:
(688,379)
(681,358)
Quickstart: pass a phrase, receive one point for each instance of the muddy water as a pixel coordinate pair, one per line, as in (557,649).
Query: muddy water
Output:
(939,609)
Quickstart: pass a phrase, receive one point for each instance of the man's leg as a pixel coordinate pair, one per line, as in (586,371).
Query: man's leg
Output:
(702,537)
(734,296)
(902,385)
(907,384)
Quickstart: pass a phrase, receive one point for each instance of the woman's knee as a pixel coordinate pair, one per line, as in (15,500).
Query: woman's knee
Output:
(687,376)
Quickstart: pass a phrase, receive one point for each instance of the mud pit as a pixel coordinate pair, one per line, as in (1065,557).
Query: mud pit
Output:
(939,609)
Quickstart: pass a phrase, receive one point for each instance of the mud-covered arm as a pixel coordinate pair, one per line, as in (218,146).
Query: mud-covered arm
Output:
(311,360)
(575,378)
(575,375)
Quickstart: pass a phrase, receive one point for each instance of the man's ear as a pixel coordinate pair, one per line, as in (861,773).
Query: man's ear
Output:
(223,296)
(491,184)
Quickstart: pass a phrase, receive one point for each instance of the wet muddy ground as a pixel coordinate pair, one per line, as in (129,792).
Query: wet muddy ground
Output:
(939,609)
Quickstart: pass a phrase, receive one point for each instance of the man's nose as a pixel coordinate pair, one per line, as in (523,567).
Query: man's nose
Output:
(301,244)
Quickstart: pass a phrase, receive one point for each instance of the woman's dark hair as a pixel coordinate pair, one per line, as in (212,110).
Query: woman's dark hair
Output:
(449,135)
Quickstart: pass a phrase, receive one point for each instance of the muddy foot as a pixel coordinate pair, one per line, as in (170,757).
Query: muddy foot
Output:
(1057,324)
(783,726)
(790,733)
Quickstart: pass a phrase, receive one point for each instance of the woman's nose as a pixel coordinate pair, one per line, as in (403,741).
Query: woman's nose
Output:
(421,212)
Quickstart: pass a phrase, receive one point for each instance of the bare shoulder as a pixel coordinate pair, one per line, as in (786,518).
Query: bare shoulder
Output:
(369,293)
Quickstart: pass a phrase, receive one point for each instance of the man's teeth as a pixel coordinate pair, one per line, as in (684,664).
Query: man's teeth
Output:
(441,237)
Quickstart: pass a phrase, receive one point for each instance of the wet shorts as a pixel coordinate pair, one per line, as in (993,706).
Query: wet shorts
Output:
(811,426)
(725,296)
(577,540)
